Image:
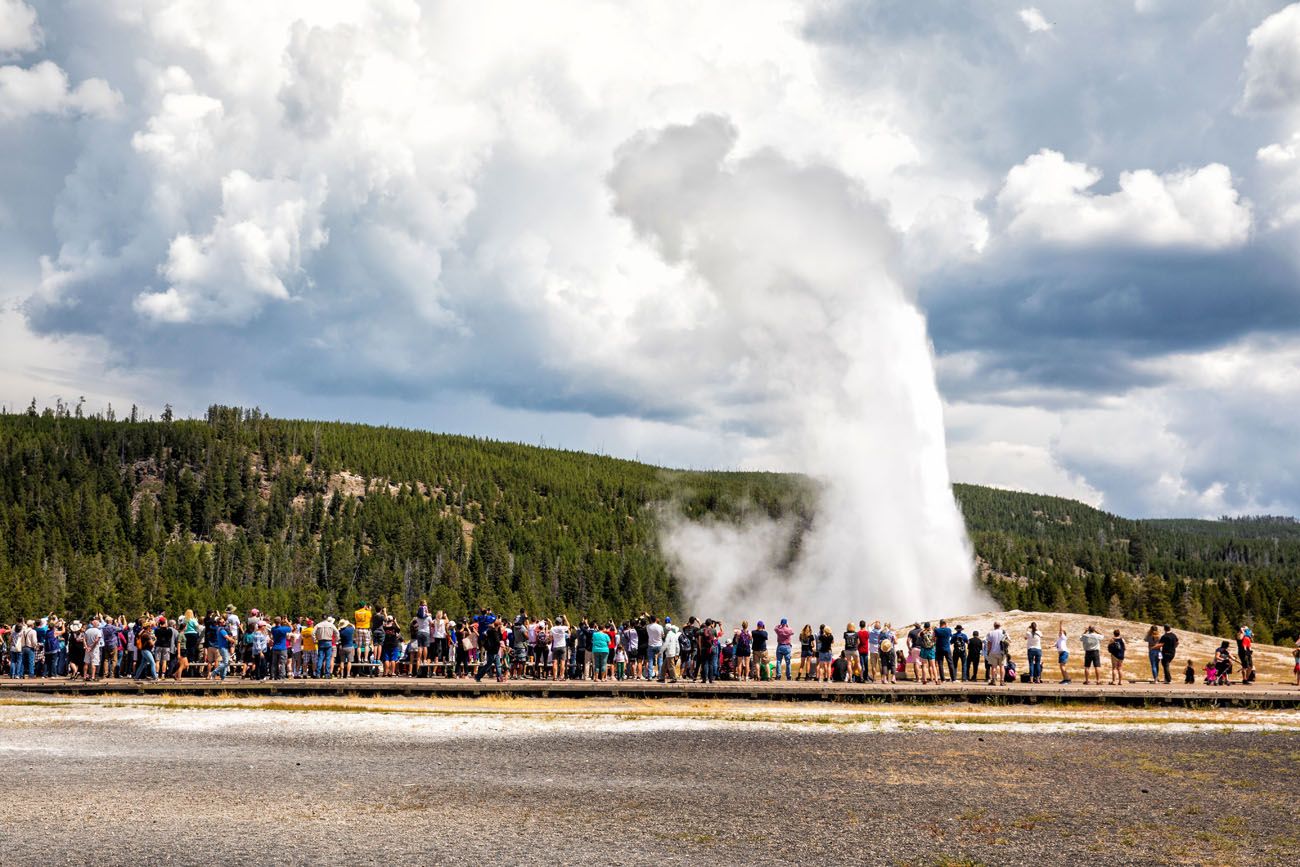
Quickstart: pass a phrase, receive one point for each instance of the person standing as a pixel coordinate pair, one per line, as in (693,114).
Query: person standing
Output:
(707,652)
(959,642)
(865,662)
(422,626)
(1153,652)
(1245,653)
(190,626)
(559,645)
(758,639)
(164,636)
(224,641)
(326,636)
(673,650)
(76,650)
(390,646)
(974,649)
(655,638)
(807,638)
(825,645)
(31,643)
(490,653)
(1034,653)
(280,647)
(1091,641)
(943,650)
(365,638)
(1062,651)
(1168,650)
(144,642)
(94,641)
(1118,649)
(850,651)
(347,646)
(599,652)
(888,667)
(259,644)
(994,643)
(784,635)
(112,635)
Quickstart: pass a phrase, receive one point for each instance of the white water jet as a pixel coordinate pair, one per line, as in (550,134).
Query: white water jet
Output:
(824,353)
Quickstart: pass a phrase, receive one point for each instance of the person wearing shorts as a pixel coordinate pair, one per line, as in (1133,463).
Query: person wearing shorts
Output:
(1062,652)
(1091,641)
(361,619)
(888,668)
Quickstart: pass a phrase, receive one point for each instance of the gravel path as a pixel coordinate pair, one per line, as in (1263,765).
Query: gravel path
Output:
(220,786)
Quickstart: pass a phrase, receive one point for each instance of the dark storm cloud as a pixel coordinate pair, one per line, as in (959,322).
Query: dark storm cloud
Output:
(1079,320)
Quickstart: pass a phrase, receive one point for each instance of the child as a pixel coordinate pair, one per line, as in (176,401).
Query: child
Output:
(1189,676)
(1211,674)
(620,661)
(1011,672)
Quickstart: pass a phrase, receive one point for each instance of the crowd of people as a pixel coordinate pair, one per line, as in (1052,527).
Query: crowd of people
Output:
(257,646)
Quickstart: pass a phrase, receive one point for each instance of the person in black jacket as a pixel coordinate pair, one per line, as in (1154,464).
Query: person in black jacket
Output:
(489,646)
(974,648)
(1168,647)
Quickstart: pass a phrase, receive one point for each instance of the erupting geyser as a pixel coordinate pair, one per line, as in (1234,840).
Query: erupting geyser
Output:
(824,353)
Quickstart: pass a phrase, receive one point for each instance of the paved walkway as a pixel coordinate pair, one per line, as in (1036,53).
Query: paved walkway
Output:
(1260,695)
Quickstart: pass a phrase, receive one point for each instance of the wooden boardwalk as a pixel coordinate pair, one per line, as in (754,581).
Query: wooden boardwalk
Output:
(1281,696)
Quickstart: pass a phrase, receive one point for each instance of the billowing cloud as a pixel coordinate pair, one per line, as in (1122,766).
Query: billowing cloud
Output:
(259,240)
(375,208)
(43,89)
(19,32)
(1272,67)
(1048,198)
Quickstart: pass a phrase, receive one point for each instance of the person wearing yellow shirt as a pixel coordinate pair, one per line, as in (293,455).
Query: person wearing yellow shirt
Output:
(361,620)
(309,647)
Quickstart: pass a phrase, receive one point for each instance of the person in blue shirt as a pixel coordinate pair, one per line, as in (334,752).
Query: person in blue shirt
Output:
(279,647)
(943,650)
(223,651)
(347,646)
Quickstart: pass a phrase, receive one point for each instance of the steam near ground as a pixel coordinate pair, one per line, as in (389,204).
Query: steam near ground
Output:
(829,355)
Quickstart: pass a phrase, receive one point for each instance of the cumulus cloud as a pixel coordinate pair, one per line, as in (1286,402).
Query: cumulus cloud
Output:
(1034,20)
(19,32)
(1048,198)
(260,238)
(369,207)
(43,89)
(1272,66)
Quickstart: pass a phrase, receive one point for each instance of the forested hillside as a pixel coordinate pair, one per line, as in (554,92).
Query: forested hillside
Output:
(1051,554)
(99,514)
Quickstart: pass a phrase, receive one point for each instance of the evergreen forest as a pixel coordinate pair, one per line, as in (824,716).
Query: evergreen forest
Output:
(106,514)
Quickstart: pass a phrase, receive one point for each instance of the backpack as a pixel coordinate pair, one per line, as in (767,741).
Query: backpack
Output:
(959,642)
(684,643)
(927,639)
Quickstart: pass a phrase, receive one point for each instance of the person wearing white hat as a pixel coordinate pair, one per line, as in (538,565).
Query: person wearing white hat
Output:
(326,635)
(76,648)
(93,641)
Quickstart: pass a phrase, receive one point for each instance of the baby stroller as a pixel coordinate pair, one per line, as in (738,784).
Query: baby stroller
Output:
(1222,666)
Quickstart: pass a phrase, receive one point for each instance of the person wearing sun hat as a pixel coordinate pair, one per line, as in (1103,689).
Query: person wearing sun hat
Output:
(76,649)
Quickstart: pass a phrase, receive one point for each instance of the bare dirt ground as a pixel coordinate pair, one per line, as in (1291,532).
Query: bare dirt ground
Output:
(385,781)
(1273,664)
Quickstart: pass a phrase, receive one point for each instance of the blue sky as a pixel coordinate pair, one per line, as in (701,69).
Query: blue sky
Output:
(406,213)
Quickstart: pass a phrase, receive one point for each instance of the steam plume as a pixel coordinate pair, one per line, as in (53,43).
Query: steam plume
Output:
(828,357)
